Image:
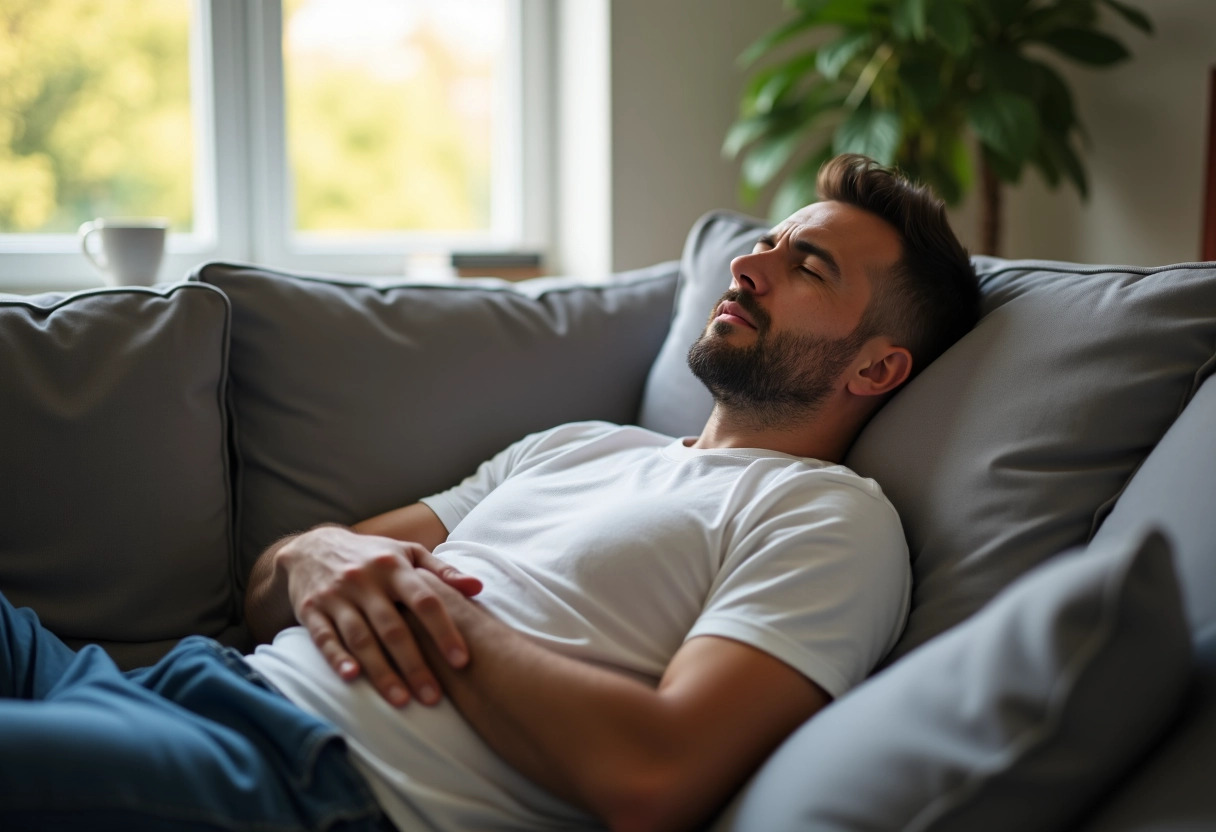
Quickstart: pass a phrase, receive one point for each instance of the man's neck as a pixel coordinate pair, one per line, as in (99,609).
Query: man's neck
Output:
(816,436)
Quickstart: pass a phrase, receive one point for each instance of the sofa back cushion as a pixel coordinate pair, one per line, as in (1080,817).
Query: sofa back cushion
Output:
(352,398)
(1014,444)
(114,466)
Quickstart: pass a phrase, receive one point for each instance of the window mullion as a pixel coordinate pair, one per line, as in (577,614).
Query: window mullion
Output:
(229,131)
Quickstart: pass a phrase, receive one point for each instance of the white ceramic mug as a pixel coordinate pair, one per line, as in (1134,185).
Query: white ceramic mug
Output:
(131,249)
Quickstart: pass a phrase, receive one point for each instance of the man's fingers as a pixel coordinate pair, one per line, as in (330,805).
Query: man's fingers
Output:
(328,642)
(428,606)
(398,641)
(467,585)
(362,642)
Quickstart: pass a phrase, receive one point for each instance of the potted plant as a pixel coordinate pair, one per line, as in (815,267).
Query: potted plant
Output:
(913,83)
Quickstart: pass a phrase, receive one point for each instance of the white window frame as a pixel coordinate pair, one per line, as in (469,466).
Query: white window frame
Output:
(242,198)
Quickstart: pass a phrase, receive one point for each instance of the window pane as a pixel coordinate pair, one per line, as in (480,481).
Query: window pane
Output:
(95,113)
(390,112)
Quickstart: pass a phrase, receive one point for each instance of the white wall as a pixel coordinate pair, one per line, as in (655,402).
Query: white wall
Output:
(675,88)
(675,92)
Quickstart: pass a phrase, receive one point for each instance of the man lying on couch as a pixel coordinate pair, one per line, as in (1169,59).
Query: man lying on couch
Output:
(654,615)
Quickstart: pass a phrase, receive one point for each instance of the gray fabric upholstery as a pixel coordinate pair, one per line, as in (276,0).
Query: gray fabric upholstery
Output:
(1014,720)
(676,402)
(1175,490)
(1172,790)
(1012,445)
(116,512)
(352,399)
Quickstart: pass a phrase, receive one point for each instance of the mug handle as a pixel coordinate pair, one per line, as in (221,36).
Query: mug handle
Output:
(85,231)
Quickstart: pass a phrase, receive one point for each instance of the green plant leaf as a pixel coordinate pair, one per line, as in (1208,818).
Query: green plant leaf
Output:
(922,83)
(1063,14)
(949,23)
(839,12)
(953,156)
(1041,160)
(1086,46)
(798,190)
(908,20)
(1005,170)
(776,37)
(778,81)
(1132,15)
(873,133)
(1053,98)
(1000,67)
(769,155)
(1006,123)
(836,55)
(1059,150)
(1006,11)
(743,132)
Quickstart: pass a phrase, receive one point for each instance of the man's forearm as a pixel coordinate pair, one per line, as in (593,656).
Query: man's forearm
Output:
(267,605)
(596,738)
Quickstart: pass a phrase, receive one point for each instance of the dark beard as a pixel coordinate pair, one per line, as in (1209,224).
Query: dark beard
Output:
(778,379)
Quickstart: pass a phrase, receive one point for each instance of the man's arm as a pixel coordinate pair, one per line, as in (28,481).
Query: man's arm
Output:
(344,585)
(638,757)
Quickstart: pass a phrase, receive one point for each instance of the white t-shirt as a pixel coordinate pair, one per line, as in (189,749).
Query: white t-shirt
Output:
(615,545)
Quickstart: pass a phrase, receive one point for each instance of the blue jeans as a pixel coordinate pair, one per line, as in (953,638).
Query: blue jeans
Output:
(198,741)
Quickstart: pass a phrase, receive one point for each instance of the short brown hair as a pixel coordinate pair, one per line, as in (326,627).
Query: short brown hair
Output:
(931,298)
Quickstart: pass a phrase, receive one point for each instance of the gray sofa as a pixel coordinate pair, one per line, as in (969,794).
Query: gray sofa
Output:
(1055,472)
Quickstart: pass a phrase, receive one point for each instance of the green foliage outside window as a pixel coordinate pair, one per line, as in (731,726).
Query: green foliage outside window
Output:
(94,112)
(96,120)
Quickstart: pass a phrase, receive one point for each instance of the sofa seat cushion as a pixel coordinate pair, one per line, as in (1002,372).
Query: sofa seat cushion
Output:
(353,398)
(1017,719)
(117,512)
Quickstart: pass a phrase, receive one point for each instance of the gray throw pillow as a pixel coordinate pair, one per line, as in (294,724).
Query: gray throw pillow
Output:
(1172,789)
(116,509)
(353,398)
(1015,720)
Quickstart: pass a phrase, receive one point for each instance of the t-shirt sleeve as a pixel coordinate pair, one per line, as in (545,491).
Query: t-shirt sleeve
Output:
(453,505)
(820,581)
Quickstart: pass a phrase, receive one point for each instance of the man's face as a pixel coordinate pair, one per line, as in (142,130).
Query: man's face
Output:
(784,336)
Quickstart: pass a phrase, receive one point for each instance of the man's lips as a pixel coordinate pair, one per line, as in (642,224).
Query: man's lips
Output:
(732,312)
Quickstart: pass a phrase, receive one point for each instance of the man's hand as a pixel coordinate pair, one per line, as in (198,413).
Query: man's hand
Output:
(345,587)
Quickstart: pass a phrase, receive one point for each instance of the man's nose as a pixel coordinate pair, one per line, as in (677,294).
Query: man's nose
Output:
(749,273)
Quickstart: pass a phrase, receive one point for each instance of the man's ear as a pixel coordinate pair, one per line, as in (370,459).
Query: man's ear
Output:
(881,368)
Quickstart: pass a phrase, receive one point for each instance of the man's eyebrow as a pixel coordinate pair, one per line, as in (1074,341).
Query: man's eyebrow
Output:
(807,247)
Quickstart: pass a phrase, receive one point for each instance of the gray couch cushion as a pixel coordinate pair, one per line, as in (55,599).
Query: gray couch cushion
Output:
(352,399)
(676,402)
(114,465)
(1174,490)
(1012,446)
(1172,789)
(1015,720)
